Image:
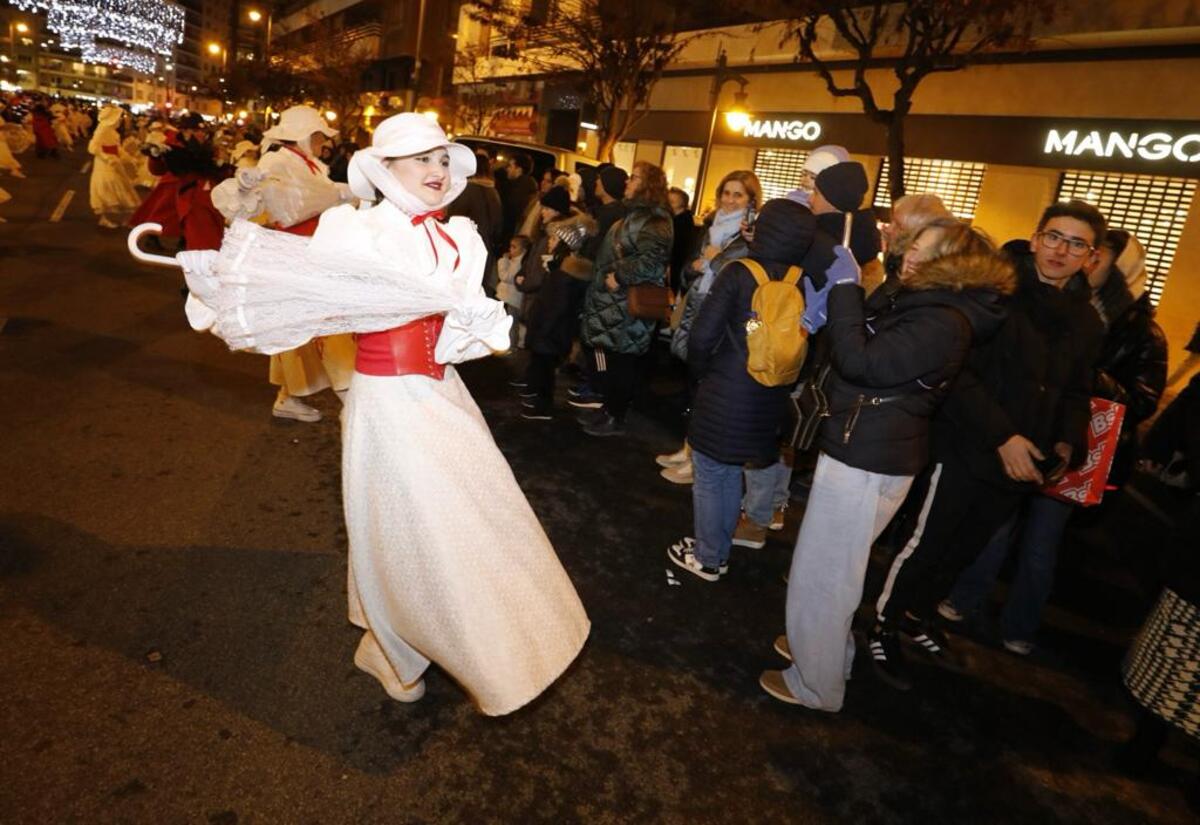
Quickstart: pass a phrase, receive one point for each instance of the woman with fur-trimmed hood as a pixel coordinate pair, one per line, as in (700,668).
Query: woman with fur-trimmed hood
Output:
(893,359)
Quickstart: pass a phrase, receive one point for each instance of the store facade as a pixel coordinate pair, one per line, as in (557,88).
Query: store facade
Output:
(998,171)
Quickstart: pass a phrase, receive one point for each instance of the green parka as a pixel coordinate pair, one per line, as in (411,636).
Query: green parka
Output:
(643,239)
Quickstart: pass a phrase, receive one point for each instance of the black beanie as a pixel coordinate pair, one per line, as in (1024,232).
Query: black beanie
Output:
(844,185)
(558,199)
(613,179)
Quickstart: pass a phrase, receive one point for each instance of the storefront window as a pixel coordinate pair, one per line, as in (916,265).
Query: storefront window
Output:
(624,153)
(956,182)
(1153,208)
(779,170)
(681,165)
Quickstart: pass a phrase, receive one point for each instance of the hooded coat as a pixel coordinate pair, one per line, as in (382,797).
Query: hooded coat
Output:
(637,250)
(735,419)
(1033,377)
(895,356)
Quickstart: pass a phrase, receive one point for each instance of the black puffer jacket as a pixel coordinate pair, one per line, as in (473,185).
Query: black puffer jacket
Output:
(736,420)
(1132,370)
(895,358)
(1033,378)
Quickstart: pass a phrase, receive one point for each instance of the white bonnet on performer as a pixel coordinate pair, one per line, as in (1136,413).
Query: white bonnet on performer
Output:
(296,125)
(402,136)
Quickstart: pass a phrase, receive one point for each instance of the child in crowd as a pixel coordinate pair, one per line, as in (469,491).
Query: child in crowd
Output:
(508,267)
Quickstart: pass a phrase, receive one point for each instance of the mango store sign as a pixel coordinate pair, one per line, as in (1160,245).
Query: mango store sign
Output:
(798,130)
(1152,146)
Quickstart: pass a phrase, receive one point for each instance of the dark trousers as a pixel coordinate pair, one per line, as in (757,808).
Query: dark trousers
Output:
(618,377)
(542,369)
(957,517)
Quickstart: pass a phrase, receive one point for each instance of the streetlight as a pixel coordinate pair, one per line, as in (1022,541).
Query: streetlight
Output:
(256,16)
(217,49)
(720,78)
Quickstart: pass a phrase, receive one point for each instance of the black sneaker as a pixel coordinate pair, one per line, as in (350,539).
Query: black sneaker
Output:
(585,399)
(527,394)
(888,659)
(588,418)
(519,383)
(681,554)
(930,640)
(604,427)
(537,412)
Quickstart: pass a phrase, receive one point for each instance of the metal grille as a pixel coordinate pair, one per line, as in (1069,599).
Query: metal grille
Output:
(1153,208)
(779,170)
(956,182)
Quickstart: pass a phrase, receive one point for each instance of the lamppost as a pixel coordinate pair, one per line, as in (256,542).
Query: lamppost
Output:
(257,16)
(217,49)
(720,78)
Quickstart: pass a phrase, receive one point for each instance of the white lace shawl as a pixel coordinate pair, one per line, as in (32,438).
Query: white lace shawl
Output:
(363,271)
(283,185)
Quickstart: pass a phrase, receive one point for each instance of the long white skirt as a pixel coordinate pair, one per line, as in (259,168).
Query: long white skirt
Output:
(110,191)
(448,562)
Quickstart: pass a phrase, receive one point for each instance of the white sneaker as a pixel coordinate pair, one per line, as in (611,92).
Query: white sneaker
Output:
(680,456)
(679,474)
(294,408)
(107,224)
(949,612)
(369,658)
(1018,647)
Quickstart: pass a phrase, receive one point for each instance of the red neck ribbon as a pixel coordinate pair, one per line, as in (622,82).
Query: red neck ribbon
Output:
(422,220)
(312,167)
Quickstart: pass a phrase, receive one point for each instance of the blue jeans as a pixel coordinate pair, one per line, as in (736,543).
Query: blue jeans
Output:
(1037,555)
(716,502)
(767,489)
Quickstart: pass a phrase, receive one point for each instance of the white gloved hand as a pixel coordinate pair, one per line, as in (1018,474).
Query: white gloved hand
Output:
(199,270)
(250,178)
(474,329)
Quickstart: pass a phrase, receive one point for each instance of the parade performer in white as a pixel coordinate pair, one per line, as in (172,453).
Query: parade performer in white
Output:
(111,192)
(448,563)
(291,186)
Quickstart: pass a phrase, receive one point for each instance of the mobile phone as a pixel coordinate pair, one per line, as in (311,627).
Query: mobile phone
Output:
(751,215)
(1051,465)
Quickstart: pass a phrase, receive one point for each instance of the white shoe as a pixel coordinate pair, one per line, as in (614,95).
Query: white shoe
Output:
(680,456)
(294,408)
(107,224)
(949,612)
(679,474)
(17,173)
(369,658)
(1019,647)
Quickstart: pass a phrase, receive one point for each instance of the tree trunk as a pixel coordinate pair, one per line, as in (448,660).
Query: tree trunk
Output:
(895,149)
(604,153)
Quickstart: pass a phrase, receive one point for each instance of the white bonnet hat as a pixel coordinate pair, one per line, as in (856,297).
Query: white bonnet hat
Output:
(402,136)
(298,123)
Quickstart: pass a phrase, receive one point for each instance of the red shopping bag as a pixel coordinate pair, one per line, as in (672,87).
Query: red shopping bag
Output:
(1085,486)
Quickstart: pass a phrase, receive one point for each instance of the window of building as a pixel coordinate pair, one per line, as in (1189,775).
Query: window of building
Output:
(1153,208)
(624,153)
(681,164)
(956,182)
(779,170)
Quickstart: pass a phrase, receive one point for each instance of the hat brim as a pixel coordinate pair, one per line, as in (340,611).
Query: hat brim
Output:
(280,133)
(462,157)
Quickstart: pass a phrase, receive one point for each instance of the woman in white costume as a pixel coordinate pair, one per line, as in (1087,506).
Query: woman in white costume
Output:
(292,187)
(112,195)
(448,563)
(8,162)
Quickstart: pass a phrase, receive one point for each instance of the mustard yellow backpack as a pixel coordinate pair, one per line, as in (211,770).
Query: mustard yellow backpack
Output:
(776,341)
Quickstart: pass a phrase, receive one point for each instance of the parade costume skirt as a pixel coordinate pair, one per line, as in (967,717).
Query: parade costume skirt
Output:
(1162,670)
(110,191)
(448,562)
(319,364)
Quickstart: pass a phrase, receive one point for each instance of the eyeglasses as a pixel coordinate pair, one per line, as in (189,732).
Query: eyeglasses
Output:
(1076,247)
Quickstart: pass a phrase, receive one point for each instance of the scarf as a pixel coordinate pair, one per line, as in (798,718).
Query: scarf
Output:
(725,227)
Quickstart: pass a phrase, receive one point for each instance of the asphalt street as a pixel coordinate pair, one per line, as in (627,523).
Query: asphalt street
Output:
(174,644)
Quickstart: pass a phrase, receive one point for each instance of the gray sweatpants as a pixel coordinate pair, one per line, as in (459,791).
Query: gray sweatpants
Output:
(847,510)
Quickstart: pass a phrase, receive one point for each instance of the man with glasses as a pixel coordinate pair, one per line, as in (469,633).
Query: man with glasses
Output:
(1015,419)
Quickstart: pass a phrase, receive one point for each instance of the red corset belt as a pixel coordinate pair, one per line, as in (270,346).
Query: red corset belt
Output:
(406,350)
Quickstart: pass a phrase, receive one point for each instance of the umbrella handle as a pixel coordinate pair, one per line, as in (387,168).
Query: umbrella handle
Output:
(136,234)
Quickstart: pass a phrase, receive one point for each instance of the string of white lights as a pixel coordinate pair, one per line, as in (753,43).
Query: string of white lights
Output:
(142,27)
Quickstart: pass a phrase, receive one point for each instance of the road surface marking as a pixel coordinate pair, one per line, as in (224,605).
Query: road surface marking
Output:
(86,167)
(57,214)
